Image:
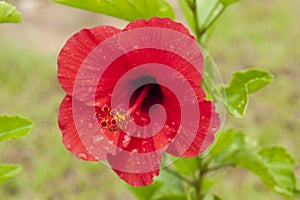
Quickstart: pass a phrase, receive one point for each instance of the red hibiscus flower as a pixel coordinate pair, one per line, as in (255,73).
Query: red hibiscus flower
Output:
(132,95)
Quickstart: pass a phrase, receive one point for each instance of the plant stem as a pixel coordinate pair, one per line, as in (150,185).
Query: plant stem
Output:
(217,167)
(202,171)
(211,14)
(188,181)
(200,31)
(212,21)
(195,15)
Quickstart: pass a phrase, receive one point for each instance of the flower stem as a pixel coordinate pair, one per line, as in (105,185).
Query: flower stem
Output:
(212,21)
(211,14)
(188,181)
(202,171)
(217,167)
(201,30)
(195,15)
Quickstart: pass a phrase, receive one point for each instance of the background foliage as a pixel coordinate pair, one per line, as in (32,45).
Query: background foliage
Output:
(258,34)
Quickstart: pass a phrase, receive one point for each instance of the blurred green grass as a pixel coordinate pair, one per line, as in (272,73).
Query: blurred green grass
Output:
(253,33)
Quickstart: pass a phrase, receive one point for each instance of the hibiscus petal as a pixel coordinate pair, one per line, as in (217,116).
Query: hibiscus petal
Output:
(71,138)
(139,57)
(166,23)
(169,44)
(137,169)
(76,49)
(137,179)
(81,133)
(115,72)
(209,123)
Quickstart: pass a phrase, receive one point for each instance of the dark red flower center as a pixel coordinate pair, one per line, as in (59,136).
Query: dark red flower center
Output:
(139,104)
(143,98)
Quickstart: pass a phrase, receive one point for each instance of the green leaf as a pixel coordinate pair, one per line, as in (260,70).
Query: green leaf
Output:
(171,187)
(281,165)
(273,165)
(241,85)
(191,193)
(165,187)
(125,9)
(228,2)
(209,182)
(9,13)
(191,3)
(186,165)
(278,157)
(144,193)
(229,141)
(216,197)
(12,127)
(7,171)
